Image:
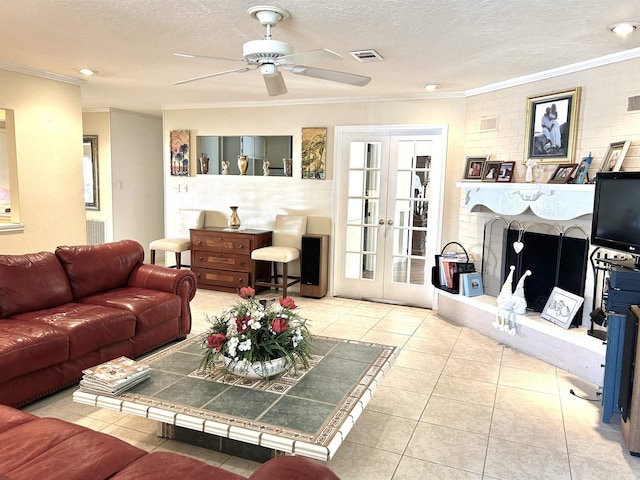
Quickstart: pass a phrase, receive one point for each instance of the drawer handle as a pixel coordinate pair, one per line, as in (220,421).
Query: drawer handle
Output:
(241,247)
(199,242)
(200,258)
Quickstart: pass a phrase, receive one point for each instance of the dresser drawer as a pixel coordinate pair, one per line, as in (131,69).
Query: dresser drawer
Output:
(222,242)
(221,261)
(222,280)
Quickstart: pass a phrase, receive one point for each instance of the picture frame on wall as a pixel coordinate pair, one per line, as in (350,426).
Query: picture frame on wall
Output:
(490,173)
(505,172)
(474,167)
(90,171)
(314,143)
(179,141)
(551,127)
(561,307)
(613,158)
(563,173)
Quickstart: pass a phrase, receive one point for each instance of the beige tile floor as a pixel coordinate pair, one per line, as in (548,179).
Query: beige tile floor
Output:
(455,405)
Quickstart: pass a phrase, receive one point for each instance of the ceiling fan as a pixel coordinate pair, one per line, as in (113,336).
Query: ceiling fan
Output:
(271,55)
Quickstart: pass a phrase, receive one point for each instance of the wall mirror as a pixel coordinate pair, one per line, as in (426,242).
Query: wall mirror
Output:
(90,169)
(266,154)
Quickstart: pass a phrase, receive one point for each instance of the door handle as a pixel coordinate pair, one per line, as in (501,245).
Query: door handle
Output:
(389,222)
(381,221)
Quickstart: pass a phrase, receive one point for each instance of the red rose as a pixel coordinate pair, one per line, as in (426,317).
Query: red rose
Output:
(279,325)
(246,292)
(242,323)
(287,303)
(215,341)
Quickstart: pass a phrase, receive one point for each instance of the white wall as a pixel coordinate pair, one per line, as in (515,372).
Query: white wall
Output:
(261,198)
(136,177)
(48,139)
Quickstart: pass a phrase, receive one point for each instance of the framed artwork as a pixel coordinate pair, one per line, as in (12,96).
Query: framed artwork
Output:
(314,143)
(614,157)
(551,126)
(561,307)
(582,171)
(490,173)
(179,141)
(474,167)
(563,173)
(90,172)
(471,284)
(505,171)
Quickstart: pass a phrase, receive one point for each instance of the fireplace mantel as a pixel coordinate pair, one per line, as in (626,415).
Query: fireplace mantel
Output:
(546,200)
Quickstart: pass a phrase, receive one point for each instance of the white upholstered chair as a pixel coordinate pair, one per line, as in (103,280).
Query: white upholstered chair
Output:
(181,240)
(286,244)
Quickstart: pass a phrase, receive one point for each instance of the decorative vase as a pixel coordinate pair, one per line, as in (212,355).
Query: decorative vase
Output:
(288,166)
(256,370)
(234,219)
(243,163)
(204,164)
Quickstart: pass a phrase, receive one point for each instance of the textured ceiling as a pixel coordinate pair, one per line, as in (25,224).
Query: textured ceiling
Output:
(459,44)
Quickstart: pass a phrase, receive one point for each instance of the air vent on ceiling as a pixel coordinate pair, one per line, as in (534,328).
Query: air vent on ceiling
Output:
(366,55)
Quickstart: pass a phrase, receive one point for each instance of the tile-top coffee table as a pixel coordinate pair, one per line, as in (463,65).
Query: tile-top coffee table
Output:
(309,413)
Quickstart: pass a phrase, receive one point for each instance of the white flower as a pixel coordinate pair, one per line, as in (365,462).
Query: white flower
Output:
(254,324)
(245,346)
(232,344)
(297,337)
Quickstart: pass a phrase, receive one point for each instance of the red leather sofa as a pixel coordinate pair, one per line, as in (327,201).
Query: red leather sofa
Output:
(33,447)
(63,312)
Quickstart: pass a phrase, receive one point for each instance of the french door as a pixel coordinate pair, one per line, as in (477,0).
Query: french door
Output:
(388,214)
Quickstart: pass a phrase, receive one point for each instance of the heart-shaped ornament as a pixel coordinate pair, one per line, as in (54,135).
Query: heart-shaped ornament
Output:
(518,246)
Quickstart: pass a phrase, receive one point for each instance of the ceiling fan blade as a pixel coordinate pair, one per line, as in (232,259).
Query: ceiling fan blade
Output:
(191,55)
(202,77)
(332,75)
(275,84)
(308,58)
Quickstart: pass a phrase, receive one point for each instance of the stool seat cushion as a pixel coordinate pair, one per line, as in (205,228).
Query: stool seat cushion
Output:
(276,254)
(171,244)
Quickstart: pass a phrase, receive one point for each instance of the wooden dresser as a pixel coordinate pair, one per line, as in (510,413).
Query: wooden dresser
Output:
(221,258)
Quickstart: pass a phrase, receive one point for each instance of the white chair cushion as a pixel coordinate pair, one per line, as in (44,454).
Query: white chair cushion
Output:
(289,229)
(171,244)
(276,254)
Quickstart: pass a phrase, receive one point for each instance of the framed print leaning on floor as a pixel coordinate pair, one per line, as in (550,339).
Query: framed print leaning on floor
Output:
(551,126)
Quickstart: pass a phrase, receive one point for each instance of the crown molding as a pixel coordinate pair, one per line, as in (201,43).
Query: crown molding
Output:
(556,72)
(39,73)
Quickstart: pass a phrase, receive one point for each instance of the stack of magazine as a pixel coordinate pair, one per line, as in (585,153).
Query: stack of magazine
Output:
(114,377)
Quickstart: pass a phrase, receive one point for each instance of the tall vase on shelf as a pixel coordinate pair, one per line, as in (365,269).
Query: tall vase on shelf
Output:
(243,163)
(234,219)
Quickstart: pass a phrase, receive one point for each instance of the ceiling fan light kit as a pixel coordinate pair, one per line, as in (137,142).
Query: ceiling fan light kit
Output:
(269,55)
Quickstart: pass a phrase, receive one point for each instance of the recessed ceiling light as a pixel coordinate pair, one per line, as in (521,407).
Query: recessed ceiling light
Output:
(623,29)
(86,71)
(431,87)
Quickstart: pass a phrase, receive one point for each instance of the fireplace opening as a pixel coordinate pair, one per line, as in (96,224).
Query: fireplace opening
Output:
(554,260)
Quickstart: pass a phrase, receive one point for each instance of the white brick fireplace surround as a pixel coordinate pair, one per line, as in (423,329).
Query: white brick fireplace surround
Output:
(563,207)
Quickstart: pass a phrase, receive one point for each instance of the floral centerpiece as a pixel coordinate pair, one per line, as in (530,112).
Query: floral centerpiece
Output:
(253,333)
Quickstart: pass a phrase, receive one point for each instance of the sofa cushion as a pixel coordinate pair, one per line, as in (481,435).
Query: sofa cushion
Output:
(156,465)
(31,282)
(55,449)
(26,347)
(12,417)
(151,307)
(98,268)
(88,327)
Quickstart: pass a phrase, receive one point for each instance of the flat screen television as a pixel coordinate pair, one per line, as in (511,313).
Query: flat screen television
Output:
(616,212)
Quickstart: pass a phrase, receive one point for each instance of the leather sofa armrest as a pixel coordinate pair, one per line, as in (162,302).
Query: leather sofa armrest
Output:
(180,282)
(293,468)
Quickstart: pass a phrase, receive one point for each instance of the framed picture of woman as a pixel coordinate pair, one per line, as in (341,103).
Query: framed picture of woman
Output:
(551,127)
(612,160)
(474,167)
(563,173)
